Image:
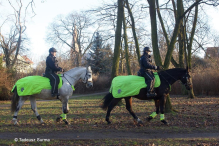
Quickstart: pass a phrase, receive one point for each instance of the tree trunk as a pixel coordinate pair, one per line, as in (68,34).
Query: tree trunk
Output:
(156,51)
(115,66)
(168,105)
(175,33)
(170,44)
(133,31)
(126,45)
(191,92)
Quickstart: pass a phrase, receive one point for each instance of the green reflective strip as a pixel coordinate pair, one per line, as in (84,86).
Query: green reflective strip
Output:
(161,117)
(63,116)
(154,114)
(73,87)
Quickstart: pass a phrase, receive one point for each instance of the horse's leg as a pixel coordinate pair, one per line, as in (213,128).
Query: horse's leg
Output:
(19,105)
(65,109)
(154,114)
(128,102)
(162,119)
(110,108)
(34,108)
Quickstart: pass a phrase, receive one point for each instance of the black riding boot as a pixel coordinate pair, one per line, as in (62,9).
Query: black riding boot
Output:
(150,92)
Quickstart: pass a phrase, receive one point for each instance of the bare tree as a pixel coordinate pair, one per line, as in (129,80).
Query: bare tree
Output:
(181,14)
(72,32)
(12,43)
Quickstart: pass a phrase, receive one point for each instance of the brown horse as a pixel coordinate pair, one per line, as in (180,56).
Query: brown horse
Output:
(167,78)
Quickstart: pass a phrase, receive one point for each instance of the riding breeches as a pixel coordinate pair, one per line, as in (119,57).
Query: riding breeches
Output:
(54,81)
(149,80)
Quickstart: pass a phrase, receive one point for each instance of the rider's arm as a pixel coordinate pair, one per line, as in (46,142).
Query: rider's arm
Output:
(147,64)
(52,65)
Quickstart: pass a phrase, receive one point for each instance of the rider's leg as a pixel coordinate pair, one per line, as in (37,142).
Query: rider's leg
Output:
(53,82)
(150,84)
(56,83)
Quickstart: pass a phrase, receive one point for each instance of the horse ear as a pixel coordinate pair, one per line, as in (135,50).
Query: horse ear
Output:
(89,68)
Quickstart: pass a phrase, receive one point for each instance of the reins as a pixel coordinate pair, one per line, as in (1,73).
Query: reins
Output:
(166,79)
(68,80)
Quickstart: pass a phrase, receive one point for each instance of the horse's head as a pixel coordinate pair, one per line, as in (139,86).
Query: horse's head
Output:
(186,80)
(87,79)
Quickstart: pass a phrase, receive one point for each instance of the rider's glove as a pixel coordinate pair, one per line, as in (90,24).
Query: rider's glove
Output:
(159,68)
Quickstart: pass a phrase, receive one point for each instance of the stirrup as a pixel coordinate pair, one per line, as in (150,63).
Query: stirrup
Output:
(56,95)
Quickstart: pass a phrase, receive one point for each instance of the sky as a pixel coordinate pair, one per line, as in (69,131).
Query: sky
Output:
(47,10)
(45,14)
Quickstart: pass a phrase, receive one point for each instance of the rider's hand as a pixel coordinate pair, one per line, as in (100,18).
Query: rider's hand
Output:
(159,68)
(62,70)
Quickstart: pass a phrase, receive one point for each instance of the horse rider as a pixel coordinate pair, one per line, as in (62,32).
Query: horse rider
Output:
(51,71)
(146,71)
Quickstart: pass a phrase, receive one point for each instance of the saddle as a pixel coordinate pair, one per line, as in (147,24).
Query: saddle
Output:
(31,85)
(124,86)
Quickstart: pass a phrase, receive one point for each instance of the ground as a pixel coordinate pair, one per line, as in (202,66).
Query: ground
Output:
(196,123)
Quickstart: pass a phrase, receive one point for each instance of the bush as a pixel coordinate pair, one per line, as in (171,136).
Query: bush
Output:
(205,82)
(6,83)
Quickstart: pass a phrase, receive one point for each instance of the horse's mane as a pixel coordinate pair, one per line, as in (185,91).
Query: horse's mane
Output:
(173,71)
(76,68)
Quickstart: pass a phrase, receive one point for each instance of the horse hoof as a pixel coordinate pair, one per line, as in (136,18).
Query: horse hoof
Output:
(58,119)
(165,122)
(15,123)
(42,123)
(66,122)
(140,123)
(149,118)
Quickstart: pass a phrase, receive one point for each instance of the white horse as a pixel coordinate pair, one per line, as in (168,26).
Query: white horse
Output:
(70,78)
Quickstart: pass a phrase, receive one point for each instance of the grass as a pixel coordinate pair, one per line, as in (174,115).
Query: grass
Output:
(194,115)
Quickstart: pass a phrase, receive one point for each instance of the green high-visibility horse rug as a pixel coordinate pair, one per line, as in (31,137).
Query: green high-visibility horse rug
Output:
(31,85)
(123,86)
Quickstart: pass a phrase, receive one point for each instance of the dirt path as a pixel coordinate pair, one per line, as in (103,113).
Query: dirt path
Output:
(110,134)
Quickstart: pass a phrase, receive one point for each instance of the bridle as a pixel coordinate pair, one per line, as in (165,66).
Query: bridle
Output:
(86,78)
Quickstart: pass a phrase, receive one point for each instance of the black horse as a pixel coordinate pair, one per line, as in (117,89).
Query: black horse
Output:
(167,78)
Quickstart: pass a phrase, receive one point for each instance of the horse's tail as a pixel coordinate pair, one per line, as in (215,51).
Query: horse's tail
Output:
(14,100)
(106,101)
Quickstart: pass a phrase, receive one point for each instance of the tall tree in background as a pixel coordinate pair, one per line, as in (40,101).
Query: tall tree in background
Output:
(180,33)
(153,17)
(133,30)
(117,48)
(99,56)
(126,45)
(72,32)
(14,43)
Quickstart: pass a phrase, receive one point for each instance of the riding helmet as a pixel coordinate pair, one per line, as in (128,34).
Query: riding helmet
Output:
(52,50)
(147,49)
